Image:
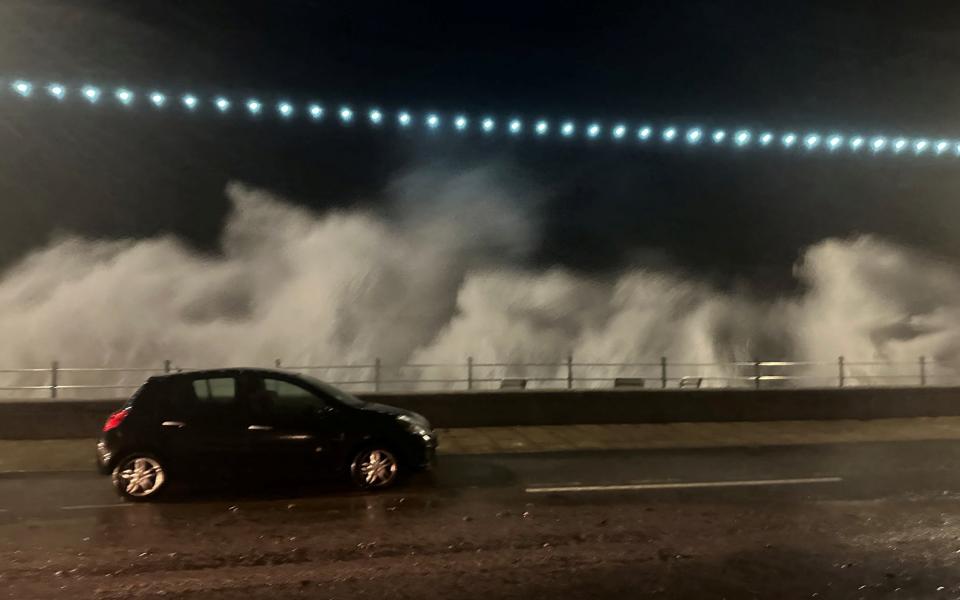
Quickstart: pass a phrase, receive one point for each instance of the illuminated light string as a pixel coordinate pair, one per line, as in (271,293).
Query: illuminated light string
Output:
(24,88)
(541,127)
(124,96)
(57,90)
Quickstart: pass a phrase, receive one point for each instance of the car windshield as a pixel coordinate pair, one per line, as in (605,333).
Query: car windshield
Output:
(335,392)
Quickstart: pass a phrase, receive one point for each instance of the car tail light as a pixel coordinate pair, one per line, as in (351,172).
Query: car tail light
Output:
(114,420)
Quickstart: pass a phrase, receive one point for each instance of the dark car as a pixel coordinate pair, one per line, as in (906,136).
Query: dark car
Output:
(256,422)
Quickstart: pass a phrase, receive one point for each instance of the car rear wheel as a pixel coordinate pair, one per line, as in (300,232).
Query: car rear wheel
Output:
(375,467)
(139,477)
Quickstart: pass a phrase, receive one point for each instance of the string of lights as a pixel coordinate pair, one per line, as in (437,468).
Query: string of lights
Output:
(488,125)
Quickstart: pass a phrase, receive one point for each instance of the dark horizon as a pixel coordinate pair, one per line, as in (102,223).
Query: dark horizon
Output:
(730,217)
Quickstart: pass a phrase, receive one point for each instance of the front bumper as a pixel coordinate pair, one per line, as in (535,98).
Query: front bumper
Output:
(424,451)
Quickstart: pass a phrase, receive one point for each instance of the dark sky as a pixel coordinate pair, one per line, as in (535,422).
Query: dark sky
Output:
(857,66)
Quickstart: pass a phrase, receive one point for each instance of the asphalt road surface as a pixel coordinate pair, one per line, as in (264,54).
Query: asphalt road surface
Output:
(857,520)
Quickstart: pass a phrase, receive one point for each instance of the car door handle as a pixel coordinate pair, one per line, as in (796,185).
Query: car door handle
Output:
(177,424)
(259,428)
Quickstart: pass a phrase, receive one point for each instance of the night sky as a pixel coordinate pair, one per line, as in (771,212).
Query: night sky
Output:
(869,67)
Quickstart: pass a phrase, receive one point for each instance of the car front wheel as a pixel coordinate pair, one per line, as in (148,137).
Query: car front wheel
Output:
(139,477)
(375,467)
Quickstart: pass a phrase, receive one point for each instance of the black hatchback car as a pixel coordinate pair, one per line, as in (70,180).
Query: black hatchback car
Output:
(256,421)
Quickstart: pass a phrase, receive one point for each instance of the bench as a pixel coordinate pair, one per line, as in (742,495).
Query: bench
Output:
(513,384)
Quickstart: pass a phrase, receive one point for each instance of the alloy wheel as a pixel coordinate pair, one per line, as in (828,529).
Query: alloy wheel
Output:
(375,468)
(140,476)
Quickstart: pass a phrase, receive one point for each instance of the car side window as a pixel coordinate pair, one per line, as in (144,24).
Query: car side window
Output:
(214,394)
(217,390)
(291,400)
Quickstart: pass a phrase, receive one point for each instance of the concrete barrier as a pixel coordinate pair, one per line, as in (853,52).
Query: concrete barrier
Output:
(479,409)
(44,419)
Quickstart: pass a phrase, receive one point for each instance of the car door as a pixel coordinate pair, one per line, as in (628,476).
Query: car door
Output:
(203,425)
(293,431)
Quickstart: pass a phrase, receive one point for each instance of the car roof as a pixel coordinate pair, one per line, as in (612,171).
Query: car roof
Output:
(223,372)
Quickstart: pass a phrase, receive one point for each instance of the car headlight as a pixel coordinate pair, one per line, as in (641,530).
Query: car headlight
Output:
(415,424)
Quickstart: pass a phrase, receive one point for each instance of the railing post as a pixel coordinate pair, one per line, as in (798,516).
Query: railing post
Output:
(923,370)
(469,372)
(54,367)
(277,363)
(569,371)
(166,366)
(376,375)
(841,376)
(663,372)
(756,374)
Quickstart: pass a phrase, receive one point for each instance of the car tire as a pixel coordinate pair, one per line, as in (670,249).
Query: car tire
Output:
(140,477)
(375,467)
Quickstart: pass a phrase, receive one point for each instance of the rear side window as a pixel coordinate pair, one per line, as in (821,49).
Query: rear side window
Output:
(217,391)
(213,398)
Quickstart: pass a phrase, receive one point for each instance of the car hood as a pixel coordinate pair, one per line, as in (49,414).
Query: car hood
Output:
(386,409)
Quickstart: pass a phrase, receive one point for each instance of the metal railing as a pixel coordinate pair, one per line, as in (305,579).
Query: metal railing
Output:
(56,381)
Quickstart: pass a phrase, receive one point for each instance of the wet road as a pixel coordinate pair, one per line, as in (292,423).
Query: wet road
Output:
(845,520)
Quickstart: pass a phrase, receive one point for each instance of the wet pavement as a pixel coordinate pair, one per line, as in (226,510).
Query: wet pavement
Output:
(74,454)
(844,520)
